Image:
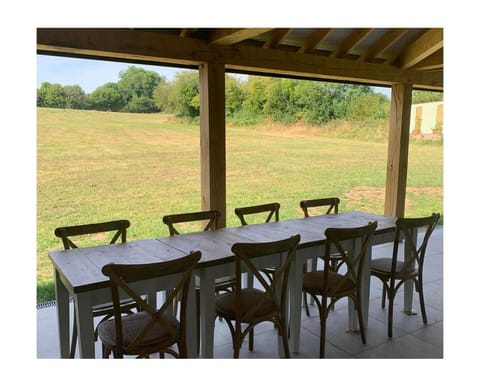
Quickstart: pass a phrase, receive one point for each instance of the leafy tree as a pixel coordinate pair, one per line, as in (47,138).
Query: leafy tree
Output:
(138,82)
(75,97)
(258,91)
(51,95)
(282,101)
(164,97)
(42,92)
(235,94)
(106,97)
(140,104)
(420,96)
(316,101)
(186,90)
(368,105)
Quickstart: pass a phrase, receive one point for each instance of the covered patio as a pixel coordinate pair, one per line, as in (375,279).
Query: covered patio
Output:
(404,59)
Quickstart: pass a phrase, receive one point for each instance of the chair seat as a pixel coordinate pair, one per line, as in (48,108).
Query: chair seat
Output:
(384,266)
(338,285)
(132,325)
(225,303)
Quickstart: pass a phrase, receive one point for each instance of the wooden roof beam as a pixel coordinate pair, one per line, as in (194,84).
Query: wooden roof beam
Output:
(227,36)
(383,43)
(428,44)
(276,37)
(315,37)
(353,39)
(148,47)
(432,62)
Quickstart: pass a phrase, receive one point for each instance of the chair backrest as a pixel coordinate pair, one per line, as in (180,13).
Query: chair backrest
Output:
(408,229)
(84,233)
(275,289)
(339,242)
(330,205)
(121,277)
(270,209)
(210,216)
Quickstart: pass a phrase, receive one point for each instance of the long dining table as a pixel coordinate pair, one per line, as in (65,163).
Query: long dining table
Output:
(78,271)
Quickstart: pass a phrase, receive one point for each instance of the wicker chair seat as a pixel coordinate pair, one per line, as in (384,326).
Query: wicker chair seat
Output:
(226,306)
(338,285)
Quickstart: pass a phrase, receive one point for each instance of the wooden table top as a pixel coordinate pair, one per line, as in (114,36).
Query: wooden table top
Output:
(80,269)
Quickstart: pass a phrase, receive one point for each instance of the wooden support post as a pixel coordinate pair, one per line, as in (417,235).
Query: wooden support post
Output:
(212,138)
(398,141)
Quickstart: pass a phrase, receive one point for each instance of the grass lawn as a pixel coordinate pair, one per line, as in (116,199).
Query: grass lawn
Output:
(96,166)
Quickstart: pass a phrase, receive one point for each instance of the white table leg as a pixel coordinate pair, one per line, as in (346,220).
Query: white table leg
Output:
(191,327)
(63,316)
(295,287)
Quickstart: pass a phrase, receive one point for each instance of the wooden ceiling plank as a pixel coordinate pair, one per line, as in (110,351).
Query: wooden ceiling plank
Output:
(427,44)
(313,40)
(227,36)
(276,37)
(383,43)
(351,41)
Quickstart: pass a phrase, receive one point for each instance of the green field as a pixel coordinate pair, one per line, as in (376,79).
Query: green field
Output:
(95,166)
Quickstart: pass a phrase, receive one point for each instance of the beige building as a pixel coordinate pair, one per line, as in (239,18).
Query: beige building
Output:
(427,119)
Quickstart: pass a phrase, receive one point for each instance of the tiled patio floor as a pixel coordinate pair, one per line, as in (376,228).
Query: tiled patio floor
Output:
(411,338)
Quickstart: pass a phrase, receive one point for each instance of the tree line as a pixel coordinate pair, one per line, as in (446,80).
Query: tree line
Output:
(249,101)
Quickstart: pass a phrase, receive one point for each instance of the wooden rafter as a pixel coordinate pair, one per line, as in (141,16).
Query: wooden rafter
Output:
(383,43)
(349,43)
(426,45)
(315,37)
(432,62)
(186,32)
(276,37)
(234,35)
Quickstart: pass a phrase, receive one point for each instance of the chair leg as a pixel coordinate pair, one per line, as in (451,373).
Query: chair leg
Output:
(361,322)
(422,300)
(384,295)
(105,352)
(250,340)
(390,312)
(323,326)
(305,304)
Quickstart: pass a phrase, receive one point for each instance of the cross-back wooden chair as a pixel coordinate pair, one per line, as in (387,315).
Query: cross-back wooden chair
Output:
(330,205)
(209,222)
(393,272)
(150,330)
(269,212)
(321,206)
(85,235)
(250,306)
(331,286)
(209,217)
